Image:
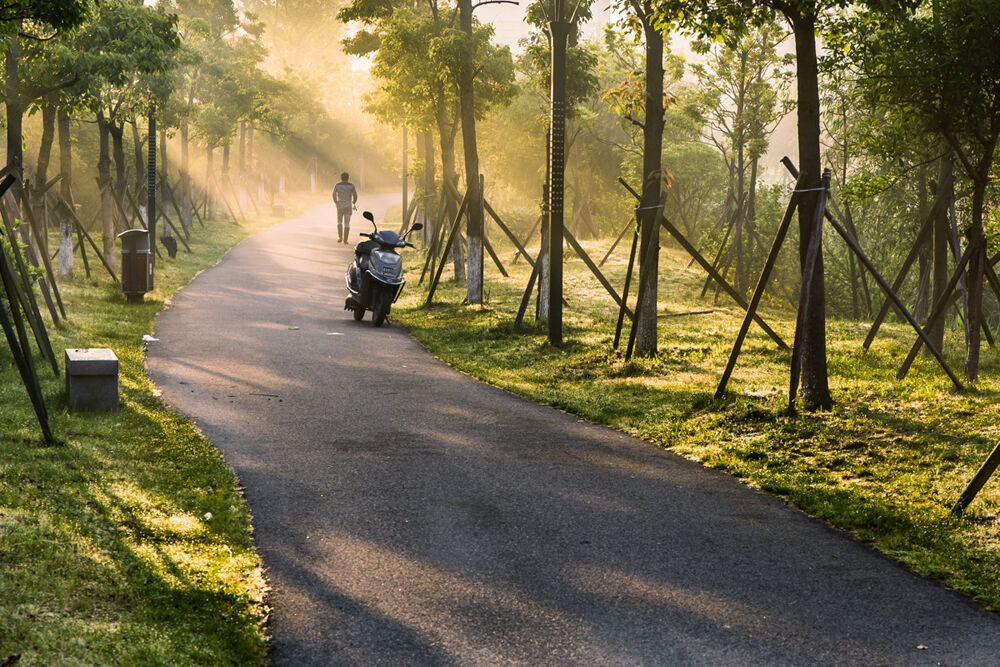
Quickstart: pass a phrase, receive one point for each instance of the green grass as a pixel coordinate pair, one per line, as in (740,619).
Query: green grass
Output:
(886,464)
(129,542)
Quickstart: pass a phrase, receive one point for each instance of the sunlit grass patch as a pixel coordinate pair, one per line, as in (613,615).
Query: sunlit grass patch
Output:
(886,464)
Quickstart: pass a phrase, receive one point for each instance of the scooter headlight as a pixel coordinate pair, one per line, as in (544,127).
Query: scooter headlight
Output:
(387,258)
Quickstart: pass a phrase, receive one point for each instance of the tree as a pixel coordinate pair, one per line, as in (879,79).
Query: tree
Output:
(730,18)
(122,57)
(742,90)
(942,64)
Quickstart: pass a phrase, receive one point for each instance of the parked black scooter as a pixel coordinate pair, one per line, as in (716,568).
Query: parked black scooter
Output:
(375,277)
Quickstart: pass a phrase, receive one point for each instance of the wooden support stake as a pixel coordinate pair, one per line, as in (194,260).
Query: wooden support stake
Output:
(496,260)
(939,308)
(618,240)
(526,297)
(50,276)
(578,249)
(178,234)
(81,230)
(447,249)
(26,296)
(628,283)
(510,234)
(691,250)
(758,293)
(979,481)
(436,238)
(22,359)
(883,285)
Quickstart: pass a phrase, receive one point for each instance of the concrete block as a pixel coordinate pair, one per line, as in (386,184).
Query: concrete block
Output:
(278,210)
(92,378)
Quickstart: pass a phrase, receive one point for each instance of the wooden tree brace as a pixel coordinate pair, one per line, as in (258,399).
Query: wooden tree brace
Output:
(691,250)
(447,249)
(889,292)
(578,249)
(978,481)
(618,240)
(625,289)
(758,292)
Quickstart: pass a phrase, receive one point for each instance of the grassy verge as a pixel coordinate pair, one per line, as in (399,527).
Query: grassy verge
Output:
(886,464)
(130,542)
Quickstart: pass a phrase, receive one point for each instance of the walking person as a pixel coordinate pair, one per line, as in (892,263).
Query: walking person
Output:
(345,196)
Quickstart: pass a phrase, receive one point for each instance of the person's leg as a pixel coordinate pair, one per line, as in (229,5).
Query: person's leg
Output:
(340,226)
(347,225)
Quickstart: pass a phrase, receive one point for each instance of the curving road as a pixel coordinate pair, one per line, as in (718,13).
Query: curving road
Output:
(407,514)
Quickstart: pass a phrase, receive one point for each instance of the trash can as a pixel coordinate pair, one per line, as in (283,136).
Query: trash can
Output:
(137,264)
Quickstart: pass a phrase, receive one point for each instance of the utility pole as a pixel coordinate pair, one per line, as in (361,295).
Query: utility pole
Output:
(559,31)
(406,177)
(151,186)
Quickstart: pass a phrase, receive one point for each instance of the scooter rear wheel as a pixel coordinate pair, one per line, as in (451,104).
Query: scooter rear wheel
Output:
(359,313)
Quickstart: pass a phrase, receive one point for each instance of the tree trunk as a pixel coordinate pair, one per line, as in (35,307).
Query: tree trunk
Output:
(210,180)
(66,190)
(430,201)
(815,388)
(942,230)
(138,141)
(117,132)
(474,210)
(974,277)
(187,206)
(224,181)
(15,105)
(652,148)
(104,183)
(448,174)
(45,146)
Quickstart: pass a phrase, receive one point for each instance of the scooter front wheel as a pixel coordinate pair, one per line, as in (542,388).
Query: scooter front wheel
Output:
(382,302)
(359,313)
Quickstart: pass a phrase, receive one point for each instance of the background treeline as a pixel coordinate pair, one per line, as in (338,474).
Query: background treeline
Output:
(898,99)
(240,98)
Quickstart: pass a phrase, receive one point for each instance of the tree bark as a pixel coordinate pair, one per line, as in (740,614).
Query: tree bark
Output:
(430,201)
(15,105)
(652,148)
(45,146)
(474,210)
(187,206)
(66,190)
(815,389)
(140,163)
(104,183)
(117,132)
(942,230)
(447,137)
(210,180)
(974,277)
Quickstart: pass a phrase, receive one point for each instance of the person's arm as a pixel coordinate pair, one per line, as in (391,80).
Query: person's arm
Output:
(354,190)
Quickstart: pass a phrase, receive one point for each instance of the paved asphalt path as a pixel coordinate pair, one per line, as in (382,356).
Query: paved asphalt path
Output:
(407,514)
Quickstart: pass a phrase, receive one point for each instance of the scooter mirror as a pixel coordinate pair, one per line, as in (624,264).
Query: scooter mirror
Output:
(417,226)
(367,215)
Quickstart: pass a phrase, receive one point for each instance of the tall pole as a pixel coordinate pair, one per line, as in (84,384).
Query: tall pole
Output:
(406,176)
(559,31)
(151,186)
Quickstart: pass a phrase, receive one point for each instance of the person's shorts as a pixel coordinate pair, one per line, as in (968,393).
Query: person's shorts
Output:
(343,216)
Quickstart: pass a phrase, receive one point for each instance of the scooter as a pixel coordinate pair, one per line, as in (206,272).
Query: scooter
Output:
(375,277)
